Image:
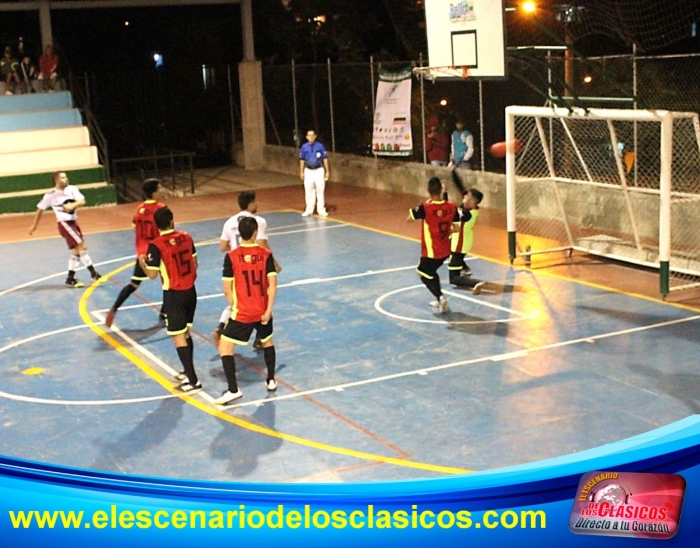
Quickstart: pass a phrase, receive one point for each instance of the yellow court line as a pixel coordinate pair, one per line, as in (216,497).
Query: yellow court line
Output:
(657,300)
(165,383)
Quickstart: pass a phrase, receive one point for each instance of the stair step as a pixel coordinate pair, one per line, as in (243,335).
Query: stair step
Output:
(39,139)
(48,160)
(31,181)
(99,194)
(35,101)
(40,119)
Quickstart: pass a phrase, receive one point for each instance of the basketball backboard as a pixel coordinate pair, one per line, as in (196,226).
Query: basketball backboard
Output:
(466,33)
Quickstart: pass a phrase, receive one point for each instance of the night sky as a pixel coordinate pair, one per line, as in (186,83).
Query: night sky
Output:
(99,40)
(96,40)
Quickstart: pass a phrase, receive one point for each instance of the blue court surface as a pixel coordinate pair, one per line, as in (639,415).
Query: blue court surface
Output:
(374,384)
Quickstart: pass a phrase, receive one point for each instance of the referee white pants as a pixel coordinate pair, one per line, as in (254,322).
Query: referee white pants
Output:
(314,187)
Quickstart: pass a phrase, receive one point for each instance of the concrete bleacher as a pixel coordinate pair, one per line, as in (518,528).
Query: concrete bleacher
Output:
(41,133)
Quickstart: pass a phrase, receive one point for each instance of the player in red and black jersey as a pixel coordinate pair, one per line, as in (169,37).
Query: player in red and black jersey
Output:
(172,255)
(437,215)
(146,230)
(250,287)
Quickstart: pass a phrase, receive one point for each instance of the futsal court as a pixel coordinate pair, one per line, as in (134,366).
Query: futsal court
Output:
(374,384)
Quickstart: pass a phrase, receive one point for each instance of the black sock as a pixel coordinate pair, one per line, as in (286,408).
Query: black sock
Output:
(270,358)
(124,294)
(185,355)
(229,363)
(433,286)
(71,274)
(91,269)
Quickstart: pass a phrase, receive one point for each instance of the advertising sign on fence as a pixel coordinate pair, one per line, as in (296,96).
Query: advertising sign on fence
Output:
(392,115)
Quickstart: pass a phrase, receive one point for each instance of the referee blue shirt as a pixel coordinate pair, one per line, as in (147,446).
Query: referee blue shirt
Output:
(312,154)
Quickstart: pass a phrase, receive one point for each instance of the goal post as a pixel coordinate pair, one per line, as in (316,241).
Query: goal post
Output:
(622,184)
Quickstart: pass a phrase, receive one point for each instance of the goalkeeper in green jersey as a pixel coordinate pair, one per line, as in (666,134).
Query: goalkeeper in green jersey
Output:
(462,237)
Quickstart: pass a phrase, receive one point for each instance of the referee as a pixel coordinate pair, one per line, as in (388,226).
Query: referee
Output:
(313,170)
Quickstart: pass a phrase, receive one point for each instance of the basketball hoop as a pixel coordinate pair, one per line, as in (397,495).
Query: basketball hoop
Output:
(433,73)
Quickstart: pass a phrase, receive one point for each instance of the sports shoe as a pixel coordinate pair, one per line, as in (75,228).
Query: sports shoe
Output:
(187,387)
(444,309)
(305,214)
(96,276)
(181,376)
(72,282)
(271,385)
(109,320)
(434,304)
(476,290)
(323,214)
(466,272)
(227,397)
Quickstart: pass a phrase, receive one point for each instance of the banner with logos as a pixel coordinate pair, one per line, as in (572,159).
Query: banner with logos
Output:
(392,114)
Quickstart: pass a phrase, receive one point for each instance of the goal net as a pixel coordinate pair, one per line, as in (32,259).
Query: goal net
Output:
(623,184)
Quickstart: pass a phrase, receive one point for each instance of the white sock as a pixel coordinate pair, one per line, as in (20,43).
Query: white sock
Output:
(85,258)
(73,262)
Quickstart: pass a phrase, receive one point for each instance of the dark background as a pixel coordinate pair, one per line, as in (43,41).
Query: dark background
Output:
(142,108)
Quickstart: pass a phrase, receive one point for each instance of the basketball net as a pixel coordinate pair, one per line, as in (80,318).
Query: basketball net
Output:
(433,73)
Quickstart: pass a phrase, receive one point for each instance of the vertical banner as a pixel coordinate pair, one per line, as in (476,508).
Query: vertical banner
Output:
(392,115)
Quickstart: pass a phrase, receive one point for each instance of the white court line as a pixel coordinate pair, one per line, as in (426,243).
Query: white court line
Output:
(62,273)
(147,353)
(288,284)
(495,358)
(29,399)
(378,308)
(313,229)
(132,258)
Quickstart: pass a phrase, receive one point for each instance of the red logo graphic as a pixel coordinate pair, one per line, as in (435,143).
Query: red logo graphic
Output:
(628,504)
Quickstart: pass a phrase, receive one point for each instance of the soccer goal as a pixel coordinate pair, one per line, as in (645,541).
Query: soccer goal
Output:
(622,184)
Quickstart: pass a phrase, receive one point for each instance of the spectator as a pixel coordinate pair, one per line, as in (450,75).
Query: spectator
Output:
(8,69)
(437,144)
(27,74)
(462,145)
(48,68)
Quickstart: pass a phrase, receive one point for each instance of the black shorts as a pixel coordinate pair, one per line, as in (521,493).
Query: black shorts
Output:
(179,307)
(457,262)
(138,274)
(427,267)
(239,333)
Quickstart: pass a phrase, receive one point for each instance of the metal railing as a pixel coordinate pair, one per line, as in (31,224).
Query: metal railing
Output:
(80,90)
(174,169)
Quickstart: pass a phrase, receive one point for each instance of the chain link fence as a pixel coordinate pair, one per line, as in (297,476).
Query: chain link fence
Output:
(337,100)
(198,109)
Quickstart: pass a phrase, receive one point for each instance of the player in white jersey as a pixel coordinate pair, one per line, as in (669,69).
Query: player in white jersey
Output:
(230,239)
(65,199)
